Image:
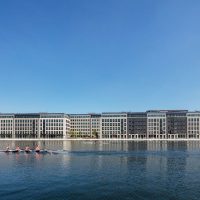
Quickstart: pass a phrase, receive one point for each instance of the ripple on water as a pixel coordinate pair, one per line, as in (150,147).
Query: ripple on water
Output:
(115,171)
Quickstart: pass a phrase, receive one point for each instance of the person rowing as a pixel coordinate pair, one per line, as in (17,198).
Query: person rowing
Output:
(37,149)
(7,149)
(27,149)
(17,149)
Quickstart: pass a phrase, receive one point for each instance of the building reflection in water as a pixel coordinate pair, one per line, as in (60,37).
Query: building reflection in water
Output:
(137,157)
(193,145)
(155,161)
(106,145)
(194,148)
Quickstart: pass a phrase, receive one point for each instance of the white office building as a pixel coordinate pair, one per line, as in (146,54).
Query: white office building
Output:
(34,125)
(114,125)
(156,124)
(85,125)
(193,125)
(6,125)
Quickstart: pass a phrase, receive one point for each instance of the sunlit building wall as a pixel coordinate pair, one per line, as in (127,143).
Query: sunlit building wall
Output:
(114,125)
(34,125)
(193,125)
(85,125)
(156,124)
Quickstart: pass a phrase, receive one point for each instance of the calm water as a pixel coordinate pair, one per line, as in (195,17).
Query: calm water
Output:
(102,170)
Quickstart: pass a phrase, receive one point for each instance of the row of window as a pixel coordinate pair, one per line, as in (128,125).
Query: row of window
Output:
(112,128)
(193,128)
(193,119)
(156,120)
(52,124)
(155,124)
(113,120)
(85,130)
(52,132)
(6,125)
(112,132)
(155,128)
(156,132)
(112,124)
(193,124)
(78,127)
(80,120)
(6,121)
(5,132)
(53,128)
(193,132)
(80,123)
(7,128)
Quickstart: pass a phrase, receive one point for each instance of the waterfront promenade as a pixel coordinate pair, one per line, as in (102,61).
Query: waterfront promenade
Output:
(95,139)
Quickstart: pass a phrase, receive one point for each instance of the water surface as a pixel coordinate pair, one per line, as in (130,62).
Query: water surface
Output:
(102,170)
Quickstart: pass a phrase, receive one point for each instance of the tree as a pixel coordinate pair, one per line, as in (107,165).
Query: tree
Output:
(95,133)
(72,134)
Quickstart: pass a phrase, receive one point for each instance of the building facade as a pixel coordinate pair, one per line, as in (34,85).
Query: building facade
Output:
(137,125)
(85,125)
(177,124)
(114,125)
(160,124)
(193,125)
(34,125)
(156,124)
(6,125)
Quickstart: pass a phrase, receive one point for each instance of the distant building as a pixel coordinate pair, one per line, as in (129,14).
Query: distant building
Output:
(96,125)
(114,125)
(160,124)
(34,125)
(85,125)
(137,125)
(177,124)
(7,125)
(193,125)
(156,124)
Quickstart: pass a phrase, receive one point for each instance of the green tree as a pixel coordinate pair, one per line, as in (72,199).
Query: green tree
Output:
(72,134)
(95,133)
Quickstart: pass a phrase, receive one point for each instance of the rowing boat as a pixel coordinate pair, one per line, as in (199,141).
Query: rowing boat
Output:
(25,151)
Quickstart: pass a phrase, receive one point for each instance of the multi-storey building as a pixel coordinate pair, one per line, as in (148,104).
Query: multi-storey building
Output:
(54,125)
(26,125)
(193,125)
(95,125)
(114,125)
(137,125)
(80,125)
(161,124)
(6,125)
(156,124)
(85,125)
(177,124)
(35,125)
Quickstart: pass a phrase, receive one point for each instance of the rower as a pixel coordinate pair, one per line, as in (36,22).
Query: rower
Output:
(7,148)
(27,148)
(37,148)
(17,148)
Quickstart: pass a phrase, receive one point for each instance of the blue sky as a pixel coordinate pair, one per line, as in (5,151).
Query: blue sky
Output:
(83,56)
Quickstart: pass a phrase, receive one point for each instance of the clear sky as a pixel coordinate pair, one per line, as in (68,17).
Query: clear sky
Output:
(80,56)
